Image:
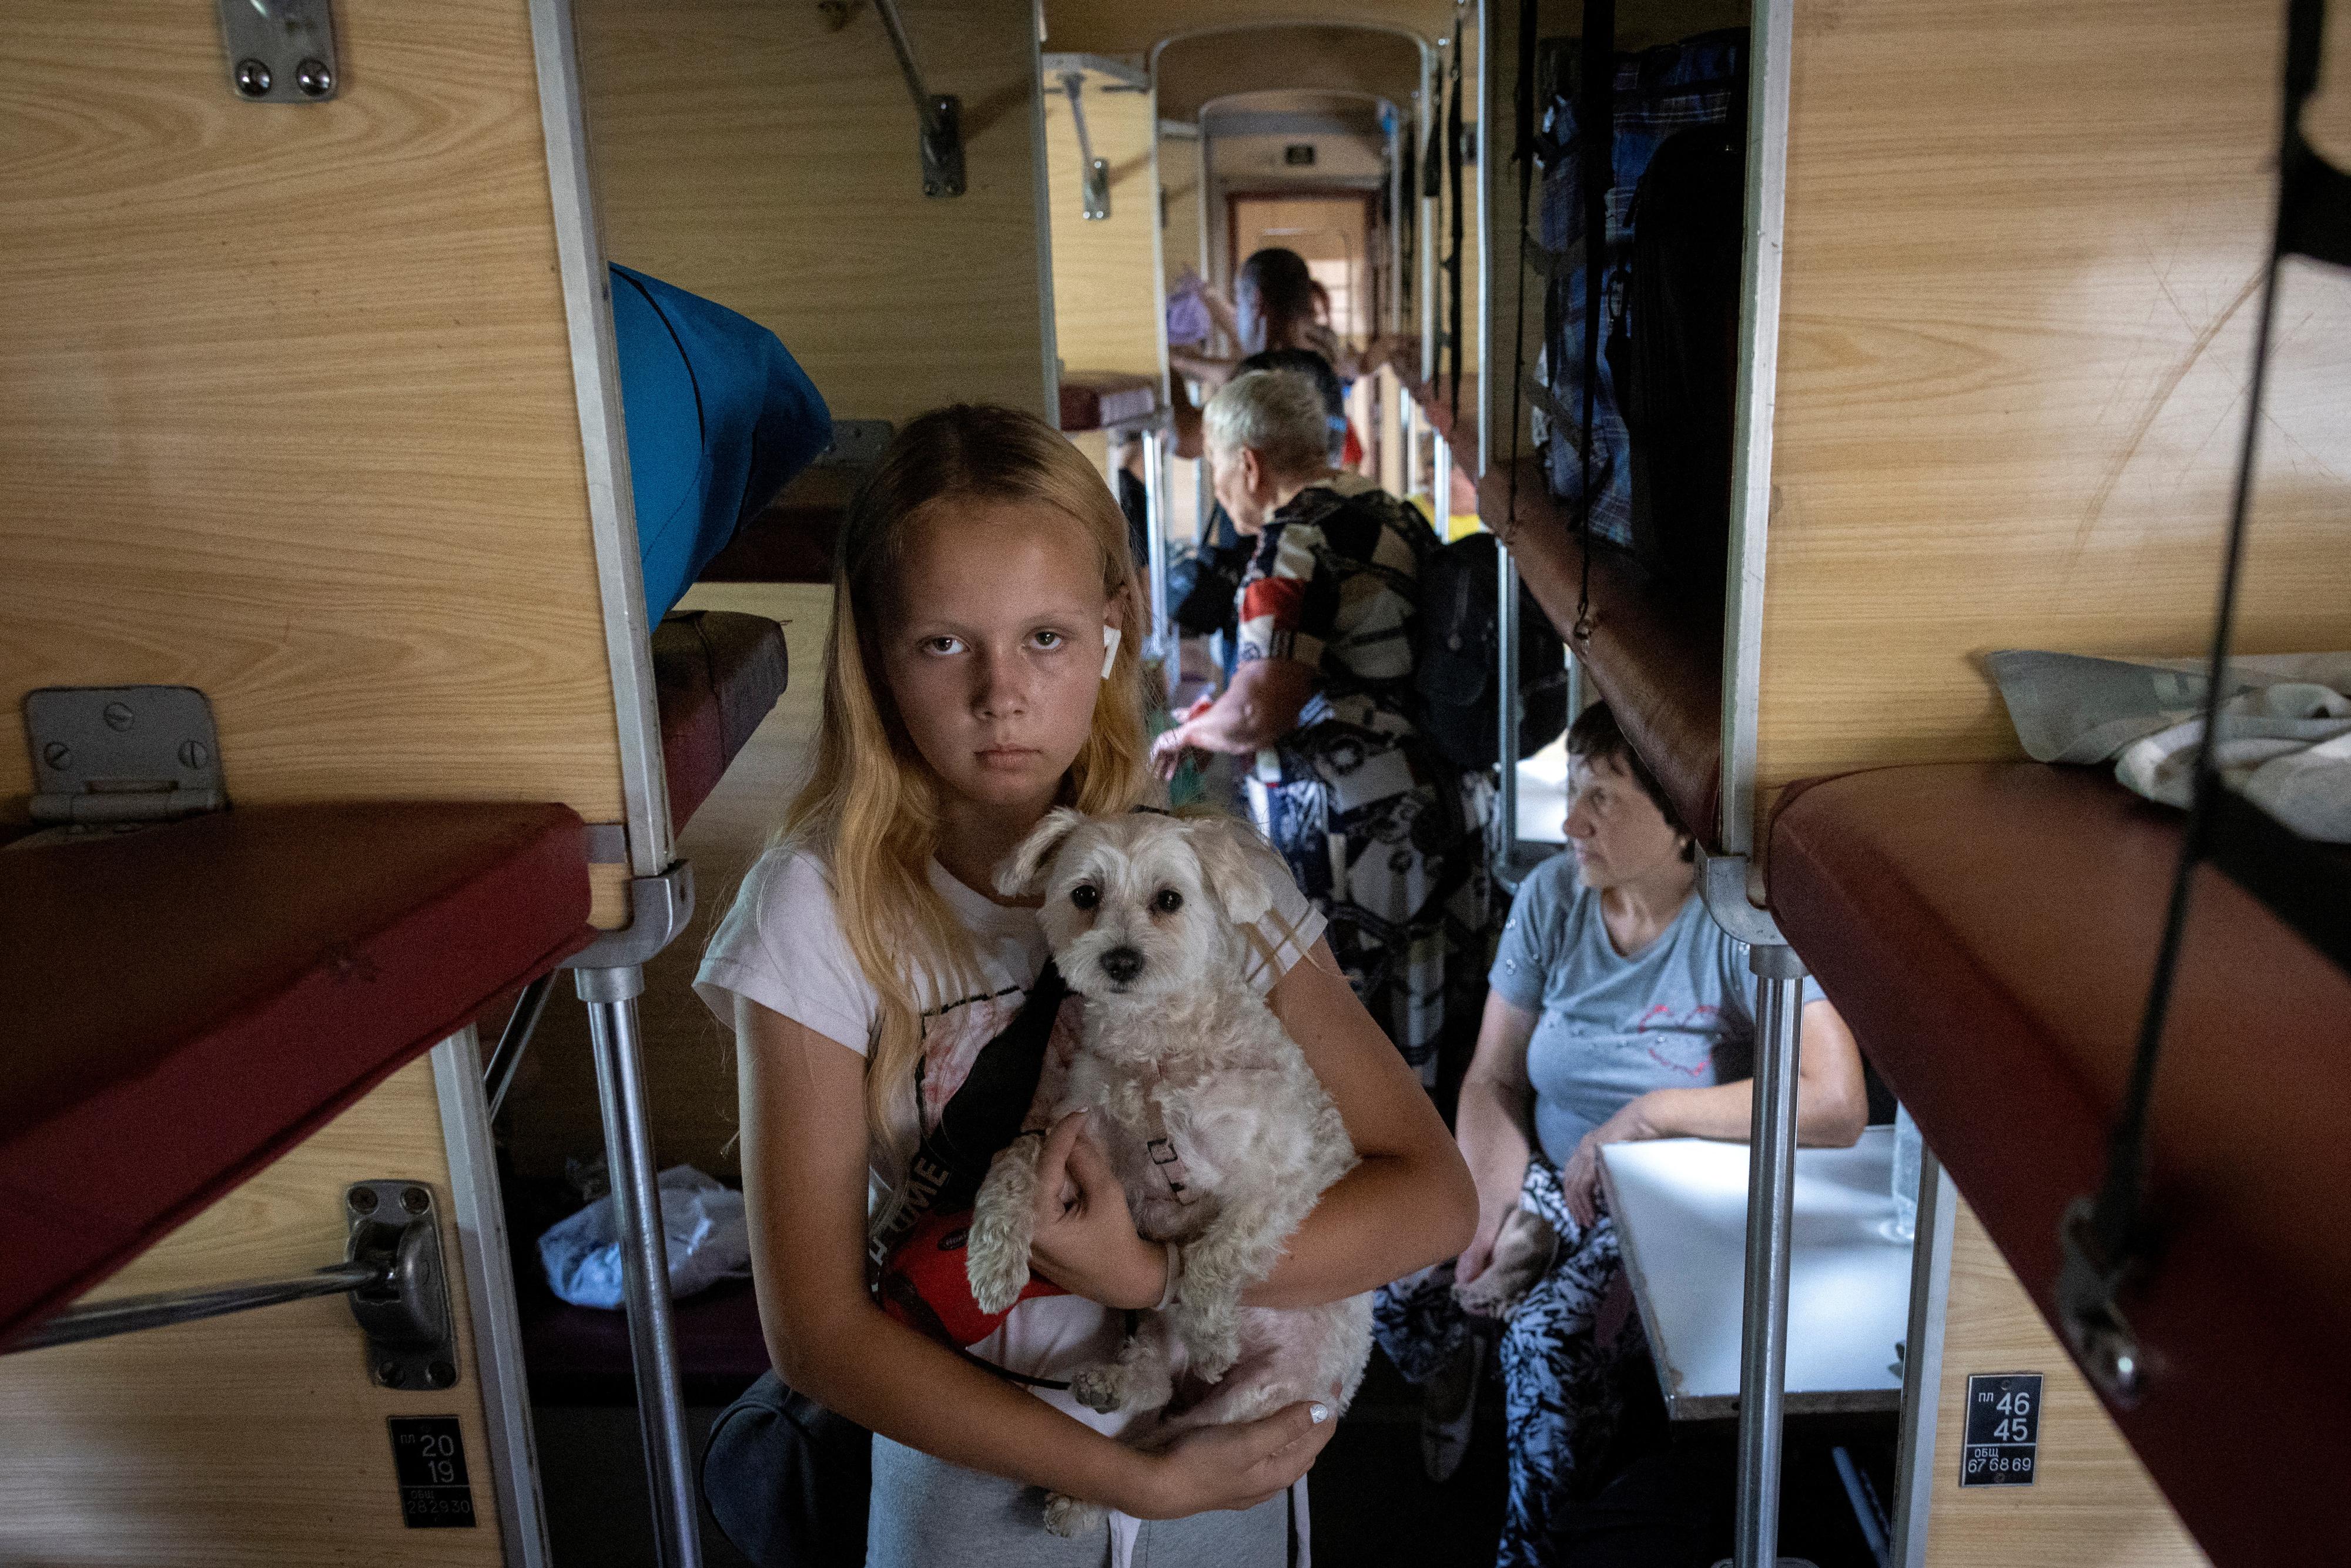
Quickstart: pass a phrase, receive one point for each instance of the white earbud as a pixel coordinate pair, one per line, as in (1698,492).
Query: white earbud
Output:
(1110,649)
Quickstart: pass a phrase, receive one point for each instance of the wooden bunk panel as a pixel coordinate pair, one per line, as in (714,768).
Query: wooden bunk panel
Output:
(2021,257)
(256,1440)
(2091,1501)
(195,999)
(753,154)
(1106,294)
(1988,930)
(287,409)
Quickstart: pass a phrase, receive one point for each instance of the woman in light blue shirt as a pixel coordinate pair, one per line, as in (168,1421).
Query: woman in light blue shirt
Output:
(1618,1009)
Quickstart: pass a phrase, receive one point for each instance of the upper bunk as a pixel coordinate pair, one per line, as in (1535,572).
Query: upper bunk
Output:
(367,596)
(1989,395)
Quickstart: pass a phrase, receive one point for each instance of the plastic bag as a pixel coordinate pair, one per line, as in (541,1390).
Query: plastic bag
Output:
(709,1240)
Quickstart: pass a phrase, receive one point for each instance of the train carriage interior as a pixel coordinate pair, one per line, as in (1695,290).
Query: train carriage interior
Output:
(1905,447)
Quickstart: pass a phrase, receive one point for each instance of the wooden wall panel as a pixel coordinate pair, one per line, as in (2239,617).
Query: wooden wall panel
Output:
(551,1111)
(286,410)
(2022,244)
(2090,1502)
(1105,271)
(1179,205)
(252,1440)
(747,151)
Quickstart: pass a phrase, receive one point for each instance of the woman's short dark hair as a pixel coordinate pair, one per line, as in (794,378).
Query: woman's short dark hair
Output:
(1595,736)
(1285,288)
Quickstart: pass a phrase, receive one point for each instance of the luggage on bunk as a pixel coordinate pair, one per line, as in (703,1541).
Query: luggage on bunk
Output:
(1457,659)
(1657,92)
(720,417)
(1680,364)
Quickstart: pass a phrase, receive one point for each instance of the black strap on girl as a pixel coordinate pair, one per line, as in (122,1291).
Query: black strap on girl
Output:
(983,1116)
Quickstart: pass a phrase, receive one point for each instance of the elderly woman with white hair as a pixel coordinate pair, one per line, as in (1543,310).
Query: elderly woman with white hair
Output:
(1382,833)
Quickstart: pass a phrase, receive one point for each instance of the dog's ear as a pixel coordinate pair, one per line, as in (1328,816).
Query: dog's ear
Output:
(1233,874)
(1017,877)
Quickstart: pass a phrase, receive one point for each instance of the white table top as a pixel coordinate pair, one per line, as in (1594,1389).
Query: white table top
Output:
(1681,1217)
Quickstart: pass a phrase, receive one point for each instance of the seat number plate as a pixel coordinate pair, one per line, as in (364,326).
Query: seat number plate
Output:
(2003,1429)
(428,1454)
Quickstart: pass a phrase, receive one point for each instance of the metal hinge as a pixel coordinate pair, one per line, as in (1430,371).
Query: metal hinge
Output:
(122,755)
(659,908)
(411,1334)
(280,51)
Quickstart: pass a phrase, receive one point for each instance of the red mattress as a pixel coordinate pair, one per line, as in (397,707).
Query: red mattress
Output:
(715,675)
(1096,400)
(1990,931)
(185,1004)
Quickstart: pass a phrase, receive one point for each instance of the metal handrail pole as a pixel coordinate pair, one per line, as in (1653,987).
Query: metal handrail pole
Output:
(1770,1203)
(128,1314)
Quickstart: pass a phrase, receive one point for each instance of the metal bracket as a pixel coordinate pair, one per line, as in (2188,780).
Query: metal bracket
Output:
(280,51)
(2096,1330)
(856,444)
(608,844)
(122,754)
(1722,883)
(412,1337)
(940,117)
(659,908)
(1093,183)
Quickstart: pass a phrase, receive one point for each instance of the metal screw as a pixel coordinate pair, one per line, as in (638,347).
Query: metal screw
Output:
(119,716)
(252,77)
(193,753)
(313,79)
(56,753)
(363,1199)
(390,1373)
(440,1375)
(415,1199)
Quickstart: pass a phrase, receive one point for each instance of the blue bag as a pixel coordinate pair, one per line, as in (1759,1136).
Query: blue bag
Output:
(720,418)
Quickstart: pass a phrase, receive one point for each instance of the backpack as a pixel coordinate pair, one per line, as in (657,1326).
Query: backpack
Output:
(1682,344)
(1456,658)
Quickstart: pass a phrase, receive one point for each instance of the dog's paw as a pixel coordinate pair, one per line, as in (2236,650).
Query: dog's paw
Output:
(997,1273)
(1100,1387)
(1069,1518)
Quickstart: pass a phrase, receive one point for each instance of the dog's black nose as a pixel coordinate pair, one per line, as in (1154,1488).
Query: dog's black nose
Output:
(1121,964)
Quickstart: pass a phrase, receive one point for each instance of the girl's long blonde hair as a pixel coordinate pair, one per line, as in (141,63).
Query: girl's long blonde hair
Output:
(871,809)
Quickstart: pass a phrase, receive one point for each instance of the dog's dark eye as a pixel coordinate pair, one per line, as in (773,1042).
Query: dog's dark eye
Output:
(1084,895)
(1168,901)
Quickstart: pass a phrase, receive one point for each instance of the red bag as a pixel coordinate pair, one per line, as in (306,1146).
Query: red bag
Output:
(924,1286)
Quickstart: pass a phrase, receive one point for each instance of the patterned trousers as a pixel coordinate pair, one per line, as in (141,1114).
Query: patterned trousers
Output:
(1561,1398)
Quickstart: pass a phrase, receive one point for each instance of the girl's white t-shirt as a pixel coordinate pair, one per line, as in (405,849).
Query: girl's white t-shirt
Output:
(781,946)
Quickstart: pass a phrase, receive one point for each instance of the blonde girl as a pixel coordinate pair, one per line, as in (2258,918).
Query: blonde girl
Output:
(982,669)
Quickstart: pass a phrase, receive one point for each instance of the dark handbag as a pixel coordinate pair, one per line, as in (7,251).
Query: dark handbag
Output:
(789,1480)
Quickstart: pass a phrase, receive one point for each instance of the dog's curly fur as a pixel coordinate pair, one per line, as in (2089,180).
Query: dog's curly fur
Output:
(1183,1069)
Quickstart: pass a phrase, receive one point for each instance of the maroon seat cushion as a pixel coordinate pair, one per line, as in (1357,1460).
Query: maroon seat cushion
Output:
(1990,932)
(580,1355)
(715,675)
(186,1003)
(1655,659)
(1096,400)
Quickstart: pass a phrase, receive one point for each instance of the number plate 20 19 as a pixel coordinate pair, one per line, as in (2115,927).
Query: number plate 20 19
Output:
(2003,1429)
(428,1456)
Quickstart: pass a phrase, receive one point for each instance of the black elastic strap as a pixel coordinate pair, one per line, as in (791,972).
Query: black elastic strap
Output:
(1595,127)
(2117,1236)
(1523,152)
(1453,260)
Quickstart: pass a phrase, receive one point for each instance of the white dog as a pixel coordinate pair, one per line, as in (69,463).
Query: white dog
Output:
(1220,1133)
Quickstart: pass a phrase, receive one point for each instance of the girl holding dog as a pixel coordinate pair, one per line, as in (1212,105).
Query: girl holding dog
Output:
(982,669)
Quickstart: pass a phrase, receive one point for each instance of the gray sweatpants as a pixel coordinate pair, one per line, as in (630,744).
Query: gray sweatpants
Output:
(927,1513)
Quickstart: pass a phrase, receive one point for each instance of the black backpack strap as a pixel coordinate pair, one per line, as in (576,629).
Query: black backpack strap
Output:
(1595,117)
